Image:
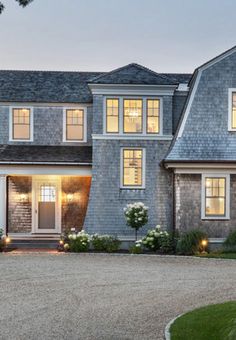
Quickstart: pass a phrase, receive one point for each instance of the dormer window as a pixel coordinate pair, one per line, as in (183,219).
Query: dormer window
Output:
(21,124)
(75,124)
(132,116)
(232,110)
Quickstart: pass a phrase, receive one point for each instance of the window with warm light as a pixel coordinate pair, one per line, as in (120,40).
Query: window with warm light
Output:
(215,196)
(153,114)
(233,111)
(75,125)
(21,120)
(112,115)
(132,168)
(133,116)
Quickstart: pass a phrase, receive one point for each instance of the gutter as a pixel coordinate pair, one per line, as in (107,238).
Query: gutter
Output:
(44,163)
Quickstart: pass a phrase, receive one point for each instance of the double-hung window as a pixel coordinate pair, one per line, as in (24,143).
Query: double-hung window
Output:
(132,115)
(74,125)
(215,200)
(21,124)
(132,168)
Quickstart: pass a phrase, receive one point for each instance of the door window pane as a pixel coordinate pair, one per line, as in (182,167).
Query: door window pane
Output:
(47,193)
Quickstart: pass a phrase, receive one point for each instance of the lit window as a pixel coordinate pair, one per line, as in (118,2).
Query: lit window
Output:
(133,112)
(75,125)
(233,113)
(112,116)
(153,108)
(21,124)
(47,193)
(133,167)
(215,196)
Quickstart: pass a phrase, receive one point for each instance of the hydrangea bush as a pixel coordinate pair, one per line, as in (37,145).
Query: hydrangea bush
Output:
(78,242)
(136,215)
(106,243)
(158,240)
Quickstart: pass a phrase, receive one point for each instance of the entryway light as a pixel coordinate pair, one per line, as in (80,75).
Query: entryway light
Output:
(23,197)
(69,197)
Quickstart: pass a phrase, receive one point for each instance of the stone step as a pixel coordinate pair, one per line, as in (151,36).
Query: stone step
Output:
(33,244)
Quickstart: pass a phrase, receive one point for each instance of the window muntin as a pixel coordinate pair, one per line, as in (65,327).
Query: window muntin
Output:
(215,196)
(47,193)
(233,113)
(21,124)
(153,115)
(132,167)
(112,115)
(133,116)
(74,124)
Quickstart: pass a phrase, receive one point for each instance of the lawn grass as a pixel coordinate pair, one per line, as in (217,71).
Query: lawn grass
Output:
(214,322)
(220,255)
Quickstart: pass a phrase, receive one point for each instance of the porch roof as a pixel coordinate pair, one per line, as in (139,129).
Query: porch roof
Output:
(35,154)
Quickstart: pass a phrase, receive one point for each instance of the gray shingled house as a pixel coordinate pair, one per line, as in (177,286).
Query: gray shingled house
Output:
(76,147)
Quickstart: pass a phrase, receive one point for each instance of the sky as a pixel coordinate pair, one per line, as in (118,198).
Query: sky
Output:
(101,35)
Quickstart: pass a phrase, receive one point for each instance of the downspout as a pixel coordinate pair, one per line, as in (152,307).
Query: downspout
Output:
(174,203)
(7,204)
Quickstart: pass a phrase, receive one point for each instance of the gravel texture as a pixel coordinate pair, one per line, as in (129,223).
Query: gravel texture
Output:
(107,297)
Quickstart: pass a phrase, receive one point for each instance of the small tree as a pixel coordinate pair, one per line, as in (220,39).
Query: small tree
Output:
(136,216)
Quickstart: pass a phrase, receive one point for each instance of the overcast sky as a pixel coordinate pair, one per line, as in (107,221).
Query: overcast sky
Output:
(100,35)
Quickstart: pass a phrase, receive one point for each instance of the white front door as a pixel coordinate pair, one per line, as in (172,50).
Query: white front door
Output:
(46,216)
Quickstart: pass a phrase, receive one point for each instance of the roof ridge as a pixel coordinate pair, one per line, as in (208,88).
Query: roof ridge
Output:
(51,71)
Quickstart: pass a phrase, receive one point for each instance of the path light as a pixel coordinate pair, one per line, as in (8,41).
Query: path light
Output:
(7,240)
(61,242)
(204,244)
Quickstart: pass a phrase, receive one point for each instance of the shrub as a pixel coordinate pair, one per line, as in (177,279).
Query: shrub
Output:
(136,215)
(1,240)
(189,243)
(229,244)
(159,240)
(136,248)
(105,243)
(78,242)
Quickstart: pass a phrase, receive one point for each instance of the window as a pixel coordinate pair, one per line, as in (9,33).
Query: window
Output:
(75,126)
(47,193)
(133,168)
(233,113)
(153,107)
(133,112)
(21,121)
(215,196)
(112,115)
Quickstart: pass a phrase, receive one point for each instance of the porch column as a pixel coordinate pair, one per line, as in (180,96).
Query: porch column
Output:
(3,202)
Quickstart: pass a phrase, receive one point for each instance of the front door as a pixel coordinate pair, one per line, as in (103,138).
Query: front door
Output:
(46,206)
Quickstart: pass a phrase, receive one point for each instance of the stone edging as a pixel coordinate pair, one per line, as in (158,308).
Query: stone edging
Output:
(167,328)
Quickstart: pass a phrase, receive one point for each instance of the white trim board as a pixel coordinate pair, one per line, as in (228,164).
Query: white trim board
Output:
(132,137)
(45,170)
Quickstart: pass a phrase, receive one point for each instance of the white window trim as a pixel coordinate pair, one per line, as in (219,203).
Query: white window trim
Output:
(31,139)
(84,140)
(144,118)
(230,94)
(227,196)
(143,168)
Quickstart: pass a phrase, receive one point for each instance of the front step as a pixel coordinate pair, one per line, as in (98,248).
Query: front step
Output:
(33,244)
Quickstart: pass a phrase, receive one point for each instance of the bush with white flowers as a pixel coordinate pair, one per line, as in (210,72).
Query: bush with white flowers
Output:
(158,240)
(78,242)
(136,215)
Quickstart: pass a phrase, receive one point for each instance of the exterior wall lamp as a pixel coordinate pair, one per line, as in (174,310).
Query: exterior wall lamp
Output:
(69,197)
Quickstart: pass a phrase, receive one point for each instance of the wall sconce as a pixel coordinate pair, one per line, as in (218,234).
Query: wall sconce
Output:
(69,197)
(23,197)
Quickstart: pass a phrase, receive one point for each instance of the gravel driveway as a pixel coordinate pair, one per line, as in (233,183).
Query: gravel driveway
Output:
(107,297)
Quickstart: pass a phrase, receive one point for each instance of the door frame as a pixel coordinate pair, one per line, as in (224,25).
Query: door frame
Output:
(36,181)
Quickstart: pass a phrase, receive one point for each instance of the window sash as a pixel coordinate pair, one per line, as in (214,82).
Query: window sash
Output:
(135,105)
(132,167)
(215,194)
(21,124)
(153,115)
(233,110)
(74,124)
(112,115)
